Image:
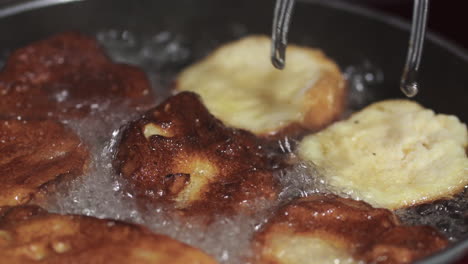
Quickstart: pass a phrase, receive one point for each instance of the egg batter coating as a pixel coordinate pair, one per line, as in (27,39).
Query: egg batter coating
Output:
(239,86)
(29,234)
(392,154)
(67,75)
(34,156)
(329,229)
(179,154)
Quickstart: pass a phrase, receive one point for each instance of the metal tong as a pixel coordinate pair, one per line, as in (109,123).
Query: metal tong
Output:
(279,36)
(408,85)
(409,79)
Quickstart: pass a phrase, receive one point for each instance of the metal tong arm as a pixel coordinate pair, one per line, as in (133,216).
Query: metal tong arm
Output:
(279,36)
(409,78)
(408,85)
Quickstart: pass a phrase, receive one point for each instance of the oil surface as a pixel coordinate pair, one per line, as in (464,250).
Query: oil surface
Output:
(101,192)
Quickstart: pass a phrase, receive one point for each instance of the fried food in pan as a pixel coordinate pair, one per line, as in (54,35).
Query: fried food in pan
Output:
(67,75)
(34,156)
(330,229)
(392,154)
(239,86)
(179,154)
(29,234)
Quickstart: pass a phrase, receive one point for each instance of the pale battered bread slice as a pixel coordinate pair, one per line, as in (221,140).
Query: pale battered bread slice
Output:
(392,154)
(239,85)
(290,248)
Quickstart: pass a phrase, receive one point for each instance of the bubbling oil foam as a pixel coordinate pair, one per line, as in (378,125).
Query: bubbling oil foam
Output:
(102,193)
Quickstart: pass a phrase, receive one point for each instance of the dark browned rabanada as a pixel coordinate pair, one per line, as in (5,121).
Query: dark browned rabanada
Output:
(359,40)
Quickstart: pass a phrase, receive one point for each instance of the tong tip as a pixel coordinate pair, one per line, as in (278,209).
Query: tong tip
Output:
(410,89)
(278,61)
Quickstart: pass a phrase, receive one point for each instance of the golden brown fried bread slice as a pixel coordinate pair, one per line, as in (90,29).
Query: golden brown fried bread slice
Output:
(31,235)
(329,229)
(66,75)
(392,154)
(178,153)
(34,155)
(239,86)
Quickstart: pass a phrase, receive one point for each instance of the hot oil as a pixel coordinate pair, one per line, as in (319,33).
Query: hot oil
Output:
(363,79)
(102,193)
(449,216)
(161,55)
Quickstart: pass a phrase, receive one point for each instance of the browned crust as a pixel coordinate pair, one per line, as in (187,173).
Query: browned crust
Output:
(35,156)
(29,234)
(63,76)
(159,166)
(369,234)
(318,113)
(331,85)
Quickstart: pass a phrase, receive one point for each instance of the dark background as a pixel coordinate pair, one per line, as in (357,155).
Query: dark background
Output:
(448,18)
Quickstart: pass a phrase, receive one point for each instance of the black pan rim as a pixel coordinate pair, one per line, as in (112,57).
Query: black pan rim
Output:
(13,7)
(448,255)
(396,22)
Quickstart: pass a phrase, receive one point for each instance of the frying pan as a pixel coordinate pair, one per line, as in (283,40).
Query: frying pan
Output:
(349,34)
